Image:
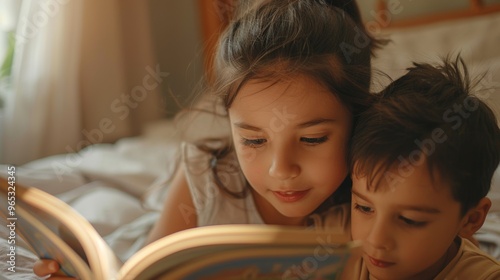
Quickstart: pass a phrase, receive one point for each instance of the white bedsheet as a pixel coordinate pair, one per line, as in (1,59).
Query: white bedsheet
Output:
(106,184)
(119,187)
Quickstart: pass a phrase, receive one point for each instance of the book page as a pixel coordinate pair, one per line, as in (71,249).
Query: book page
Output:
(168,262)
(57,230)
(46,244)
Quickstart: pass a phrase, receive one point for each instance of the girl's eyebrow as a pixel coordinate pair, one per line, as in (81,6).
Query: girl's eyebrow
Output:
(310,123)
(315,122)
(418,208)
(247,126)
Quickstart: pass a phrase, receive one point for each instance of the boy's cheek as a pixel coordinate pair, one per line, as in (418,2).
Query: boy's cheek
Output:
(357,228)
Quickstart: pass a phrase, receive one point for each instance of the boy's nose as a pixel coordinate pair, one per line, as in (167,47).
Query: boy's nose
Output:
(380,236)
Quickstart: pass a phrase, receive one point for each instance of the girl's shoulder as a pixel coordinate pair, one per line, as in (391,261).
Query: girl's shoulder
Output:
(201,160)
(212,177)
(204,153)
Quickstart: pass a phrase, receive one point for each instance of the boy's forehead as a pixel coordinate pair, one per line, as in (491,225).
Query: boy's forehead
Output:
(415,176)
(417,191)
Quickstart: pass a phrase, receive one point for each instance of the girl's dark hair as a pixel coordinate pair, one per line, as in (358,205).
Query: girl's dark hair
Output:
(430,113)
(276,39)
(350,7)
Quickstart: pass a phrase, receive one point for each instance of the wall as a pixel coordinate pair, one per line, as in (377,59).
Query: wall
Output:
(179,49)
(177,41)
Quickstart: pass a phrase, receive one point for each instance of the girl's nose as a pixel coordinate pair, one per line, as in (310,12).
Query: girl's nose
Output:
(284,166)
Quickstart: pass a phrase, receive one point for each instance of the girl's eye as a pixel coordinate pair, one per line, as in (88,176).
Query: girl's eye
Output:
(412,223)
(314,141)
(363,209)
(253,143)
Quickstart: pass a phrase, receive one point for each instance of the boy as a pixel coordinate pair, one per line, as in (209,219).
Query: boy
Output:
(422,160)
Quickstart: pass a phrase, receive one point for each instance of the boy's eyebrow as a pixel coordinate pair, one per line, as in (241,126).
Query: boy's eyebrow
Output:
(310,123)
(360,195)
(418,208)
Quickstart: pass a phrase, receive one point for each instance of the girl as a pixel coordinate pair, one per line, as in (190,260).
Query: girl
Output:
(293,76)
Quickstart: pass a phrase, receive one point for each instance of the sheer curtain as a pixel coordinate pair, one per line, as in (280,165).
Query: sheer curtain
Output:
(83,73)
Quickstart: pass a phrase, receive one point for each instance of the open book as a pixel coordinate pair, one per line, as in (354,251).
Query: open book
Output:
(54,230)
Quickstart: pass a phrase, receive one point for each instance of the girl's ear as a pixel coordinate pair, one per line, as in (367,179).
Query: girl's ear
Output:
(474,218)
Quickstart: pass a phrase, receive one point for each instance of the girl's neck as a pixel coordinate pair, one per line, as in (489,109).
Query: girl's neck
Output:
(271,216)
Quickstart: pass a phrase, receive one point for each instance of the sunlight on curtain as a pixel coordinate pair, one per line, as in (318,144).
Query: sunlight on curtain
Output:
(82,74)
(9,11)
(42,113)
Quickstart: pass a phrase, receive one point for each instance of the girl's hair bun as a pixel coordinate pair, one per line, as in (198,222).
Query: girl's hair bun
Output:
(349,6)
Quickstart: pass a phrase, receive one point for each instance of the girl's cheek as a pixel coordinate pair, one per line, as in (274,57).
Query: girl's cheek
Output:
(248,155)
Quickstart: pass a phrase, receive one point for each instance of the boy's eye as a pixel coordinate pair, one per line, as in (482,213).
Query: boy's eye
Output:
(253,143)
(363,209)
(314,141)
(412,223)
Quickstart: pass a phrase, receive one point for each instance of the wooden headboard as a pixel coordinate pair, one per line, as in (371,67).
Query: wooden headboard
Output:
(216,14)
(475,8)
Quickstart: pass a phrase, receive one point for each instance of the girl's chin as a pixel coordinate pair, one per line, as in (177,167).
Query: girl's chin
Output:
(295,216)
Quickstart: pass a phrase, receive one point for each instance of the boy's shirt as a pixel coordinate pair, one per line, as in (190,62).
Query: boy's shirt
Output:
(469,263)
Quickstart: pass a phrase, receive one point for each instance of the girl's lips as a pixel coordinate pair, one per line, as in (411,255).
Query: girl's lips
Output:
(379,263)
(290,196)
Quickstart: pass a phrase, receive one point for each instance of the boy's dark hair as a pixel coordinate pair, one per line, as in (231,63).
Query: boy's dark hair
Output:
(430,113)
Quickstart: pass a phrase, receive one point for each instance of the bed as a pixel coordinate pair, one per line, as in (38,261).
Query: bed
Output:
(119,187)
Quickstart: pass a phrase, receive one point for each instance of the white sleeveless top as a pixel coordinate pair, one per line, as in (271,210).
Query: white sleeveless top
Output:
(215,207)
